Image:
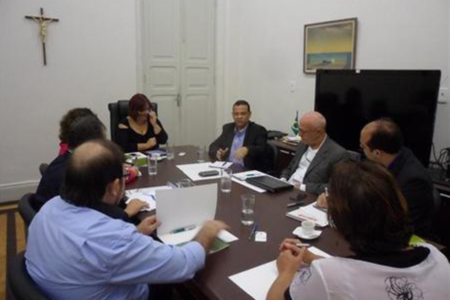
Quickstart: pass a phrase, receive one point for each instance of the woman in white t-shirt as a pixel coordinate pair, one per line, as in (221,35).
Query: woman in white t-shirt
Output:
(369,211)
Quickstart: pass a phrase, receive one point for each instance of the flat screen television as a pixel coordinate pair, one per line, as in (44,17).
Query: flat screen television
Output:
(349,99)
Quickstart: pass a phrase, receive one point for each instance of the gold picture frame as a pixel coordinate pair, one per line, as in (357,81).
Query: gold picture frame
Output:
(330,45)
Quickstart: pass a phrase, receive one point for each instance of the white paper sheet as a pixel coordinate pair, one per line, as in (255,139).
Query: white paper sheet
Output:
(240,178)
(220,164)
(179,208)
(192,170)
(257,281)
(309,212)
(145,194)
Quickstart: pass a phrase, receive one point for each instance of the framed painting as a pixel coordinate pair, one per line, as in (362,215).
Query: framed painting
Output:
(330,45)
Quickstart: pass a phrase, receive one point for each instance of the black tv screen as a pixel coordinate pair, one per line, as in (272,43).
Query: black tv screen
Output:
(349,99)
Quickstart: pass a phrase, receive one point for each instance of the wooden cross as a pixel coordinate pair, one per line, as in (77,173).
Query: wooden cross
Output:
(43,21)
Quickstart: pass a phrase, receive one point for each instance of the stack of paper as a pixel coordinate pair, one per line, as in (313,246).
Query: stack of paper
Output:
(241,177)
(192,170)
(146,194)
(310,213)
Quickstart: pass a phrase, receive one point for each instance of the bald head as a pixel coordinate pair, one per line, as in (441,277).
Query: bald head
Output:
(384,135)
(312,129)
(314,119)
(90,169)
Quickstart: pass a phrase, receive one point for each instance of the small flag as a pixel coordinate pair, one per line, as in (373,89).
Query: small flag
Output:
(294,126)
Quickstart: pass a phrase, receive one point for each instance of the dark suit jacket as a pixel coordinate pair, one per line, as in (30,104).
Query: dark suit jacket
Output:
(51,181)
(417,188)
(255,140)
(319,171)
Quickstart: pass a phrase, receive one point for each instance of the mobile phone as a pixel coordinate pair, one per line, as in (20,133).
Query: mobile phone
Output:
(208,173)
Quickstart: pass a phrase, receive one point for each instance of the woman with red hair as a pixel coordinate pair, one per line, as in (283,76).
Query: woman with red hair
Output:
(141,130)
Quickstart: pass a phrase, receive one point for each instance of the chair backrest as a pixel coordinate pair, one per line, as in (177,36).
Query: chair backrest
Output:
(42,168)
(272,162)
(27,208)
(437,201)
(117,111)
(20,282)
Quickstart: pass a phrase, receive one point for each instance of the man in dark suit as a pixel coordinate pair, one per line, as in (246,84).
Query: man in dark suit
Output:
(382,142)
(242,142)
(311,167)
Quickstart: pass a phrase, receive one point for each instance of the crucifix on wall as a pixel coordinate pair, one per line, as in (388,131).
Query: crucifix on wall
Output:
(42,21)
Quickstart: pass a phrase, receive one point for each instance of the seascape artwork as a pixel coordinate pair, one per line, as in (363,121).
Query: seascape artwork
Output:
(330,45)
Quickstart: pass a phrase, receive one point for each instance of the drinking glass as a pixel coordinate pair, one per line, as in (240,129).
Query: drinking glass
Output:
(248,209)
(225,180)
(152,161)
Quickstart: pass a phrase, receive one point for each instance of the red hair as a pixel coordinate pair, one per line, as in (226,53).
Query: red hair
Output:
(137,103)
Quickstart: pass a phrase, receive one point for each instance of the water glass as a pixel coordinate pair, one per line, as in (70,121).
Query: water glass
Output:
(248,209)
(201,154)
(184,183)
(225,180)
(152,162)
(170,152)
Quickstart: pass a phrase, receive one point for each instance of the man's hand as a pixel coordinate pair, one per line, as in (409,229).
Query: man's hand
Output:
(148,225)
(296,183)
(241,152)
(209,232)
(322,201)
(135,206)
(221,153)
(151,143)
(153,118)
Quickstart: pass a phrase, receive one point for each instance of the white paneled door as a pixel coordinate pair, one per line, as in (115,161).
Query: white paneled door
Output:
(178,57)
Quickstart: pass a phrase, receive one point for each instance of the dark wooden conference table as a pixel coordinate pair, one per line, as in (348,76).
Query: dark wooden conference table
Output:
(270,212)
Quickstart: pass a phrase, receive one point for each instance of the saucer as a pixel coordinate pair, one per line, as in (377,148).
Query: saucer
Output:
(299,232)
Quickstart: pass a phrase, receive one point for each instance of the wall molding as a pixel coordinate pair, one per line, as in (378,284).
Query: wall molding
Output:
(14,191)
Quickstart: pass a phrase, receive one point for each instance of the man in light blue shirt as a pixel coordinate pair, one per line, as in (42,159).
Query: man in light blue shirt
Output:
(76,252)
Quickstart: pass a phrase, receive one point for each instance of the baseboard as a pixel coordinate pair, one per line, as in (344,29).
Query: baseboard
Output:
(14,191)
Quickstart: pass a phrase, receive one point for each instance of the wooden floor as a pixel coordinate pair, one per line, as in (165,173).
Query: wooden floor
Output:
(12,241)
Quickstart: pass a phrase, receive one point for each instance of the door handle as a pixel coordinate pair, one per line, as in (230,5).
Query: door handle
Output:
(178,99)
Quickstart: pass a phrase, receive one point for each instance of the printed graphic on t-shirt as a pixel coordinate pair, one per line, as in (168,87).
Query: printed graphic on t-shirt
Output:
(305,274)
(399,288)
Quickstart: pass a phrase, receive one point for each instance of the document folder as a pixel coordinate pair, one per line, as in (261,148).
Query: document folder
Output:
(270,184)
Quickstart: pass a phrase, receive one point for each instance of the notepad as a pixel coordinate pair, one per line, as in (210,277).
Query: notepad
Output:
(310,213)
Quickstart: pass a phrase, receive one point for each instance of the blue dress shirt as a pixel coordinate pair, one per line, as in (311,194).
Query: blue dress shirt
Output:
(79,253)
(238,142)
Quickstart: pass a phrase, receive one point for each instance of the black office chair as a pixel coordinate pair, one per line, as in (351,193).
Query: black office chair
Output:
(437,201)
(42,168)
(354,156)
(20,282)
(272,159)
(27,208)
(117,111)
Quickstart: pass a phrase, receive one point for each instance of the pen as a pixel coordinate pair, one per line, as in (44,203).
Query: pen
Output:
(302,245)
(255,227)
(182,229)
(295,203)
(249,175)
(224,163)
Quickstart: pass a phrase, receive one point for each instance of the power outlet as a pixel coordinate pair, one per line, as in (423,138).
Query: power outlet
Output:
(443,95)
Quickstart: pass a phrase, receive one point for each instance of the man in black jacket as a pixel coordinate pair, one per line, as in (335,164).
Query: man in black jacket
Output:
(382,142)
(242,142)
